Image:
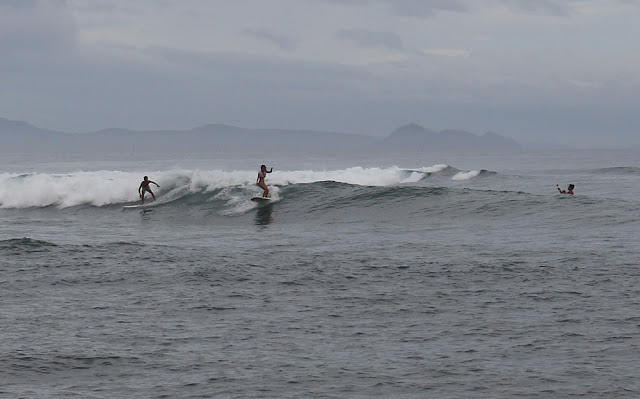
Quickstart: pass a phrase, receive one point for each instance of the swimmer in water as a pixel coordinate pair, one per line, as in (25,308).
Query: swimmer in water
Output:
(569,189)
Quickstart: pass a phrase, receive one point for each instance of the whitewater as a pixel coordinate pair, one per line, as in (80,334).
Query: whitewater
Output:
(406,276)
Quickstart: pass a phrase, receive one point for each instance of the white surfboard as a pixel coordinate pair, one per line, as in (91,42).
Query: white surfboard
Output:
(133,206)
(153,203)
(143,208)
(145,205)
(261,199)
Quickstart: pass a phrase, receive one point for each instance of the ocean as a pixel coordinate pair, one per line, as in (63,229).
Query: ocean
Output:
(398,276)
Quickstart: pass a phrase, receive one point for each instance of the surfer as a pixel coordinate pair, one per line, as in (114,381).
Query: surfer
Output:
(569,189)
(144,187)
(260,181)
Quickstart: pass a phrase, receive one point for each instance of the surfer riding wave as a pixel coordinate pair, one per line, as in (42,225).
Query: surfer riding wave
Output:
(260,180)
(144,188)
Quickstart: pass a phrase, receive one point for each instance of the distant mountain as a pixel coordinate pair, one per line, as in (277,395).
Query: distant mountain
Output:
(417,138)
(17,136)
(225,139)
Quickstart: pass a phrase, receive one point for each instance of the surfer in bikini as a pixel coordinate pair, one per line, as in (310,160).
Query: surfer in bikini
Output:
(569,189)
(144,188)
(260,181)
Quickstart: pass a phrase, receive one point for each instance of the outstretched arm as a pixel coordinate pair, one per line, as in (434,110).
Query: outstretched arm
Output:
(155,184)
(270,170)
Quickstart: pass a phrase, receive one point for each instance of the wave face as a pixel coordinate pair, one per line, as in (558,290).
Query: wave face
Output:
(106,188)
(355,193)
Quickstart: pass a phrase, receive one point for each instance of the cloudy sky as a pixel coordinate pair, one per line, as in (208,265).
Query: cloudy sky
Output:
(566,71)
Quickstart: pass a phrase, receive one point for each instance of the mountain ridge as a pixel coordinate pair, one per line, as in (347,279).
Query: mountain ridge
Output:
(21,136)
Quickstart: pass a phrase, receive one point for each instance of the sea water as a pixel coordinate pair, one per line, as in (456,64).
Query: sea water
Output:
(407,276)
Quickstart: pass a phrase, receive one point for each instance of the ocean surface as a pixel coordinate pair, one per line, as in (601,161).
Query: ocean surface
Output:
(406,276)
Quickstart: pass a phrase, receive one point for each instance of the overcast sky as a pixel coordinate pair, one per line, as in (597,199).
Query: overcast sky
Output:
(536,70)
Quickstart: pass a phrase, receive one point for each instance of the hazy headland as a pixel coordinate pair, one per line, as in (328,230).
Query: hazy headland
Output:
(21,137)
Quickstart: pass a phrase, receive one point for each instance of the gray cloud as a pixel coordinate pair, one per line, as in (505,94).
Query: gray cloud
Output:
(542,7)
(422,9)
(269,76)
(349,2)
(369,38)
(282,41)
(410,8)
(159,87)
(19,3)
(35,27)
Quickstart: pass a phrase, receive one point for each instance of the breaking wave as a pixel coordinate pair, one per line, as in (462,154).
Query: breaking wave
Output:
(106,188)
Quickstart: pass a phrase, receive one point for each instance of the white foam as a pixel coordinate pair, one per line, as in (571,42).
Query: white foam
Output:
(433,169)
(414,177)
(64,190)
(238,204)
(466,175)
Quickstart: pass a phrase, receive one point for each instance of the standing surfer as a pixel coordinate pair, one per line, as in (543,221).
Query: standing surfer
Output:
(144,187)
(260,181)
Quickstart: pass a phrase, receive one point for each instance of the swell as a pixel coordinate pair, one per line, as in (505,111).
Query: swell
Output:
(314,199)
(24,244)
(403,201)
(618,170)
(324,199)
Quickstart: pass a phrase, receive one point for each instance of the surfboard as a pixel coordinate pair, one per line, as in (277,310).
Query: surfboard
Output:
(133,206)
(145,205)
(143,208)
(261,199)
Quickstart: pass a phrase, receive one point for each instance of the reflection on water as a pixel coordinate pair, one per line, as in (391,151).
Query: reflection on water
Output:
(264,215)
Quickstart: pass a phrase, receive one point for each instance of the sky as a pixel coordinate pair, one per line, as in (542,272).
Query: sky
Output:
(539,71)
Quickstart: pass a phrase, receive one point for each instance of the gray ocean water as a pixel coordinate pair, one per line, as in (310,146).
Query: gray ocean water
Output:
(401,277)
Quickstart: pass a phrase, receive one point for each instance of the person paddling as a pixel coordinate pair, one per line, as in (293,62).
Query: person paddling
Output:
(568,191)
(260,181)
(144,188)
